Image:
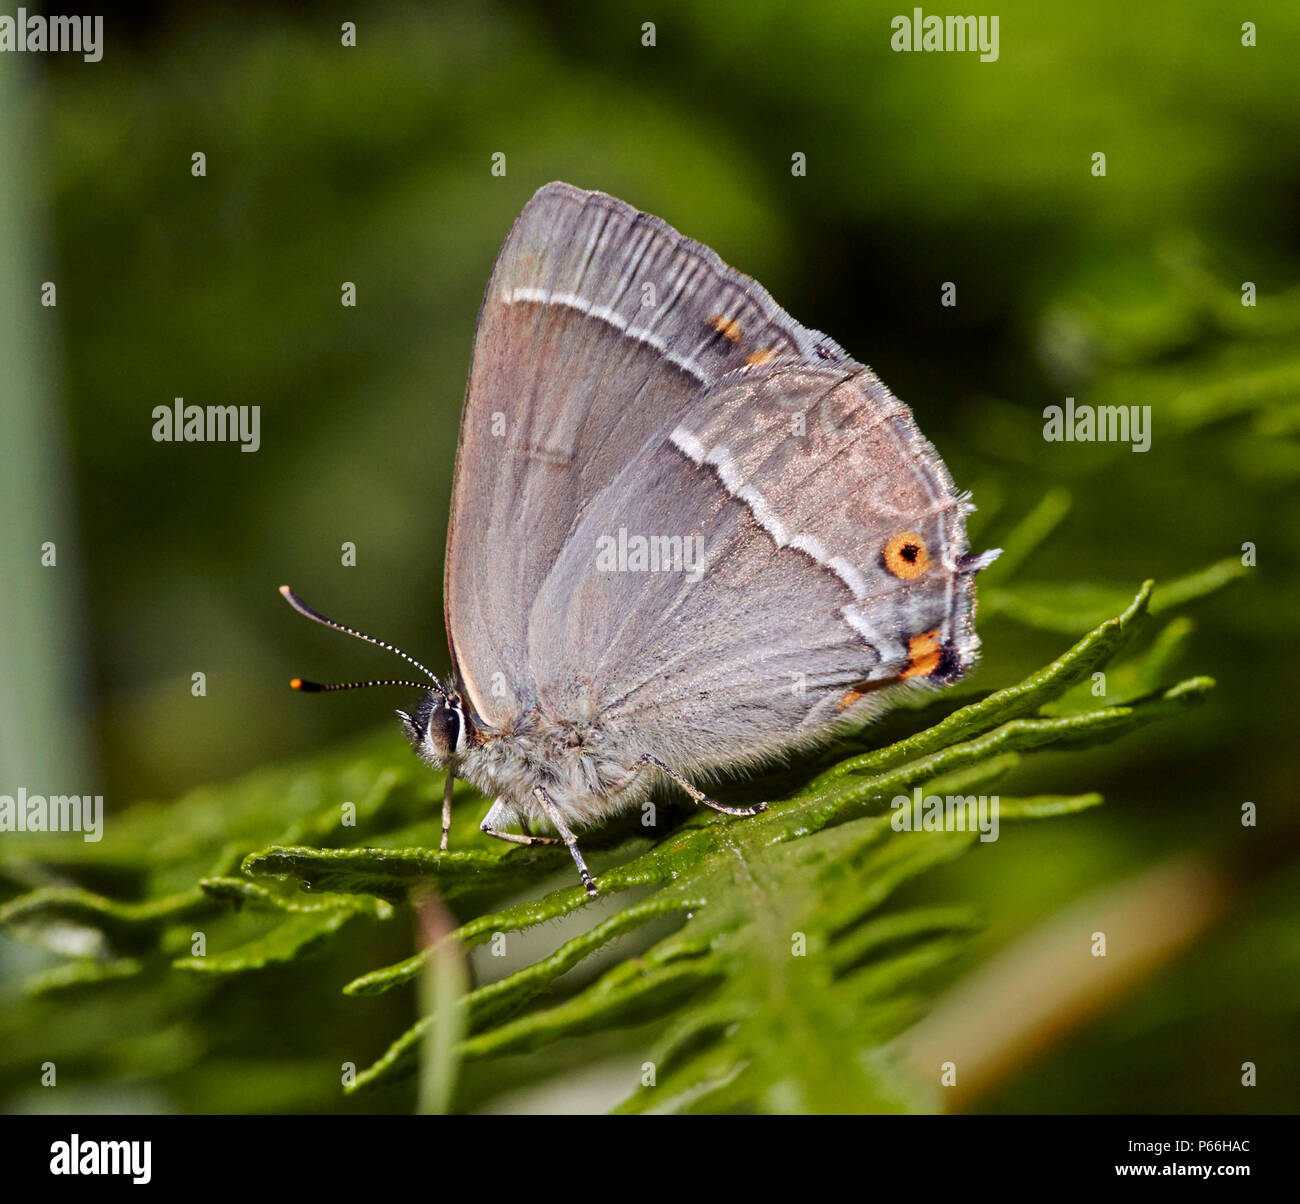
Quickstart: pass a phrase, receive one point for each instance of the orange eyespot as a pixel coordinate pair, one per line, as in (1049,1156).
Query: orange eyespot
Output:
(760,357)
(729,328)
(923,654)
(906,556)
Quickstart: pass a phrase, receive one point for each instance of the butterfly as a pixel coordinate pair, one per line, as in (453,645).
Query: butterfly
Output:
(687,533)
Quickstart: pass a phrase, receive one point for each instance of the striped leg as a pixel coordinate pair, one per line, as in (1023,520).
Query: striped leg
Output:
(497,816)
(698,795)
(557,821)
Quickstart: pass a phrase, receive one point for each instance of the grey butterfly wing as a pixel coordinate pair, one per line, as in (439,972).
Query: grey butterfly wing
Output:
(599,325)
(835,567)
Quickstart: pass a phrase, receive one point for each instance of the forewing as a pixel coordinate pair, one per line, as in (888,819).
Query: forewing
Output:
(600,326)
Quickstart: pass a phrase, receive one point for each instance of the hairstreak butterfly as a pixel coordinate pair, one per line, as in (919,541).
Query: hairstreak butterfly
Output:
(687,533)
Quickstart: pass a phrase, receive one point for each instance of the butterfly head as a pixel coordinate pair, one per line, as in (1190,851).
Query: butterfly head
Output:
(437,727)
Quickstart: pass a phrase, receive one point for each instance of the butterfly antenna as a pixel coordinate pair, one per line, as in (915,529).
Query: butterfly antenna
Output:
(314,688)
(317,687)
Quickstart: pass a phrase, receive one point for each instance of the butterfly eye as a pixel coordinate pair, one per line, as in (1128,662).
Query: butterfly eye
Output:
(453,727)
(906,556)
(447,732)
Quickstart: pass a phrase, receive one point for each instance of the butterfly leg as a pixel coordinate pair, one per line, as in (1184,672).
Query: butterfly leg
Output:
(497,815)
(446,808)
(557,821)
(698,795)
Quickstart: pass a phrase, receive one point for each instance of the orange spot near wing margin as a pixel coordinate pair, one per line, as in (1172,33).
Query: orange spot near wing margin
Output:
(923,654)
(729,328)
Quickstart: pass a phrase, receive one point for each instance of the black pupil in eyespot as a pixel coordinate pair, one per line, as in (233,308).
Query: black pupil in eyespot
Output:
(909,552)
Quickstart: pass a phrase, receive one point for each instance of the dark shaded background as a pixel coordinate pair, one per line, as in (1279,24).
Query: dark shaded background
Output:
(372,165)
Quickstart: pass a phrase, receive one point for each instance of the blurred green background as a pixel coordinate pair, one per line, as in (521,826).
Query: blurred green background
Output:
(372,164)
